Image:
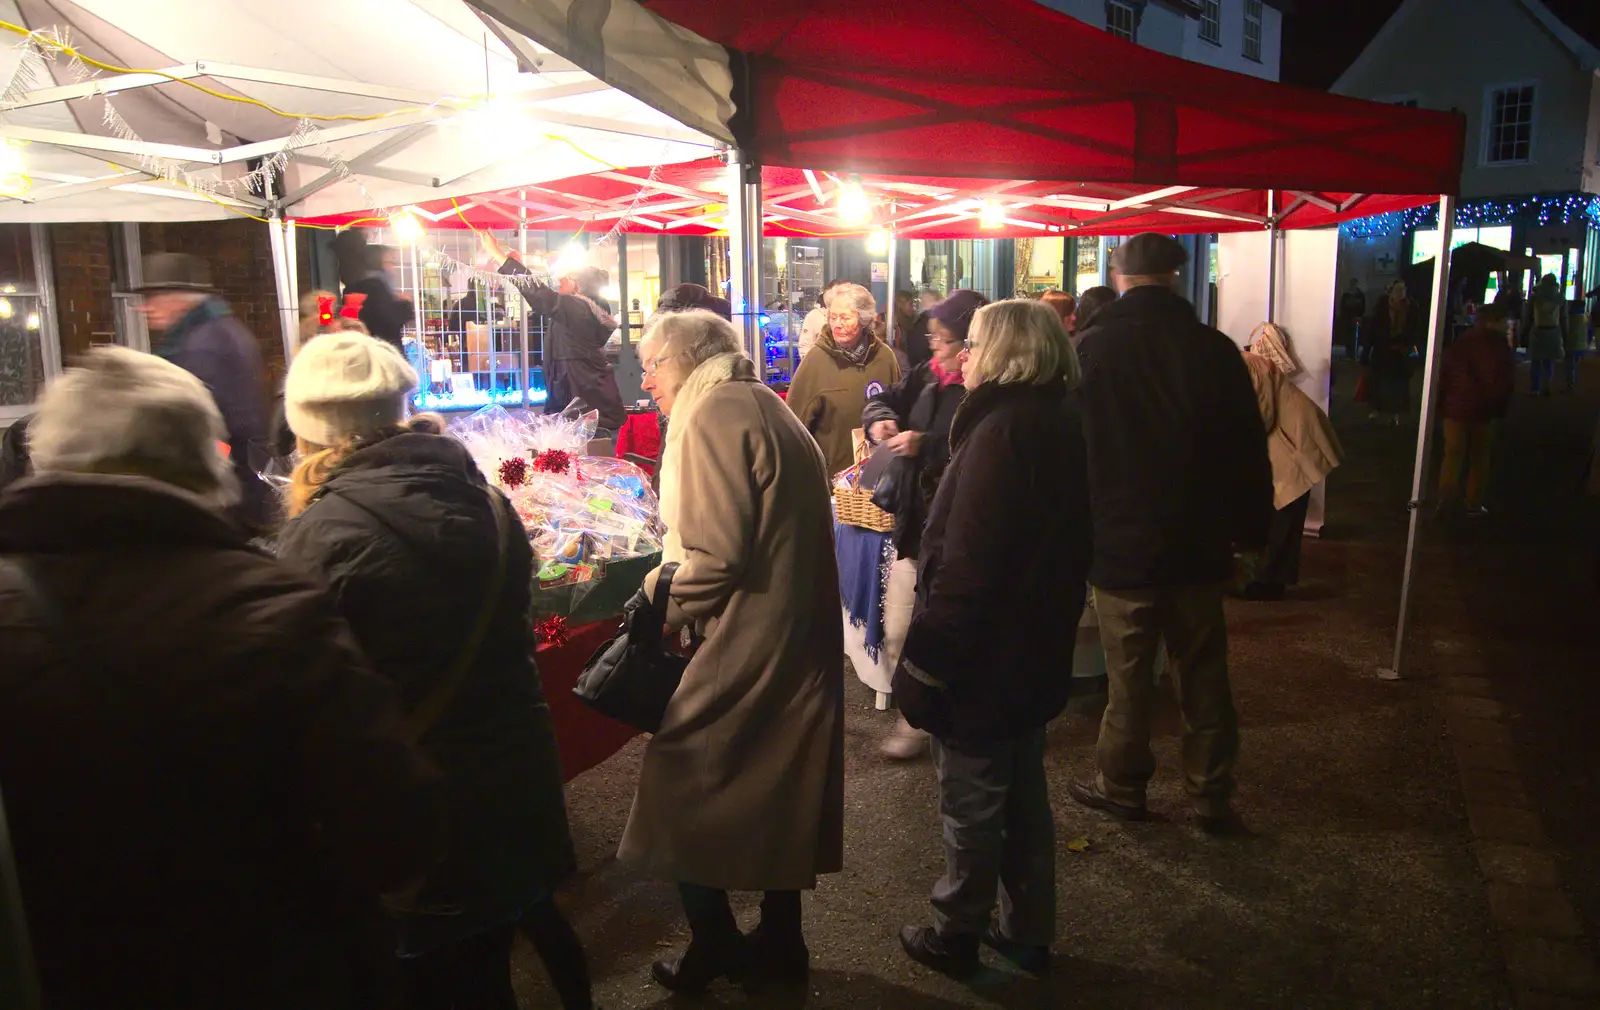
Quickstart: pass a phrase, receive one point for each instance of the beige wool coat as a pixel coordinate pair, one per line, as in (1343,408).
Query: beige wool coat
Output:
(1300,439)
(743,787)
(829,390)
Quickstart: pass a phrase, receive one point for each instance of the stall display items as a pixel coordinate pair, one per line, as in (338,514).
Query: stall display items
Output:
(594,521)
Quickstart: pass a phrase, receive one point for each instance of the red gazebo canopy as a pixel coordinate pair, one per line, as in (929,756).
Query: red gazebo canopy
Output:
(1010,89)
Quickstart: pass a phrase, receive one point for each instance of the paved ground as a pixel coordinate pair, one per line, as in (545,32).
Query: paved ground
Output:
(1366,884)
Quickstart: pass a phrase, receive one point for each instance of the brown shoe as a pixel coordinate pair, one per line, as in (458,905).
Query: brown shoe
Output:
(906,743)
(1088,793)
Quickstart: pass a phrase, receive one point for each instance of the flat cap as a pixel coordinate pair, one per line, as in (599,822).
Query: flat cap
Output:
(1149,255)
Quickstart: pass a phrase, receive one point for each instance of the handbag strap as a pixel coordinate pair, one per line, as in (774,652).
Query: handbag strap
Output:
(423,717)
(659,602)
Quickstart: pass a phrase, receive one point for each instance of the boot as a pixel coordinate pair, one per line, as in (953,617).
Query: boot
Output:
(777,948)
(905,743)
(702,963)
(956,956)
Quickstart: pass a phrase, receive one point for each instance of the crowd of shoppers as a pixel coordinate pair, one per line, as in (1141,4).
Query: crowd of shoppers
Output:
(340,758)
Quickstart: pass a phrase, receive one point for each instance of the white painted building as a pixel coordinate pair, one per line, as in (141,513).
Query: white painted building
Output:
(1529,87)
(1241,35)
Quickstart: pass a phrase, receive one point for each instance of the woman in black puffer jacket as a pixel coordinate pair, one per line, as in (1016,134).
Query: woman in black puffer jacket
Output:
(913,419)
(432,570)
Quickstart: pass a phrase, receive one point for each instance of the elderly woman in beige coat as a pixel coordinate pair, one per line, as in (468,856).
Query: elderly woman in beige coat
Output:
(851,366)
(1304,450)
(743,787)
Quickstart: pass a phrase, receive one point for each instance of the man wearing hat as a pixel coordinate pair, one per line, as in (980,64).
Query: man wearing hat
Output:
(197,331)
(1178,476)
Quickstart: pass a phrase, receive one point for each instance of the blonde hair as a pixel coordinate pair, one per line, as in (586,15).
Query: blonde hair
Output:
(318,462)
(1022,341)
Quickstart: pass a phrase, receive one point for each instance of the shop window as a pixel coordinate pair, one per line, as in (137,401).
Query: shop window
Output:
(22,308)
(1119,20)
(1252,30)
(1508,125)
(1211,21)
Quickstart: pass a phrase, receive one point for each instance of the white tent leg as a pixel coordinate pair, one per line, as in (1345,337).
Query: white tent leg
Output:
(894,266)
(744,244)
(282,271)
(1438,318)
(1272,256)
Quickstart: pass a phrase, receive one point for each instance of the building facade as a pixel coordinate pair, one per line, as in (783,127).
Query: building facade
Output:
(1531,169)
(1240,35)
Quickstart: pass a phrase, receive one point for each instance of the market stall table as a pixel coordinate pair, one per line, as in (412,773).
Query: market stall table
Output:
(584,737)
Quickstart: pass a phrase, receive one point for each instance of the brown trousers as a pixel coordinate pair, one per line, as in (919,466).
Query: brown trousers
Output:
(1133,626)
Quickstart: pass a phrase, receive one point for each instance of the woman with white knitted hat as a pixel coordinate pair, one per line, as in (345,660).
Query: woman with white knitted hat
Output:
(432,570)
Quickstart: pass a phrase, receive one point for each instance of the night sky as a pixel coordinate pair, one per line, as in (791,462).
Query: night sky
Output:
(1321,38)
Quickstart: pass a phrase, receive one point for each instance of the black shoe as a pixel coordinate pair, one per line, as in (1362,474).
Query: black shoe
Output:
(702,964)
(1089,794)
(1267,591)
(775,960)
(956,956)
(1223,825)
(1033,960)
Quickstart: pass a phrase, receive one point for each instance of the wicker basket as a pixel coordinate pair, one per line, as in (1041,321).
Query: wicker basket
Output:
(854,504)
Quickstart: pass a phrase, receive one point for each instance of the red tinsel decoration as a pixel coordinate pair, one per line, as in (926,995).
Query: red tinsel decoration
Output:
(553,461)
(513,472)
(551,631)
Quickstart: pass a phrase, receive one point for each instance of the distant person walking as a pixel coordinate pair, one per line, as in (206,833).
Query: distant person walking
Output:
(1577,342)
(1178,476)
(1475,386)
(1543,321)
(1352,309)
(1391,336)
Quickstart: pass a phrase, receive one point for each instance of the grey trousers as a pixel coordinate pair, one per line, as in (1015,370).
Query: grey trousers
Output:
(999,839)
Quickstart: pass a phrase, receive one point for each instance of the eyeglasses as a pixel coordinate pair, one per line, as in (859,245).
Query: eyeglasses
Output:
(655,363)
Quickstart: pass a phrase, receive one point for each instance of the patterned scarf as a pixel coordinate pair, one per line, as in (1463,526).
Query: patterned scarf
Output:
(856,355)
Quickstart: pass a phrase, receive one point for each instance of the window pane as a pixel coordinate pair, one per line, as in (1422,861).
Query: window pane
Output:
(1211,20)
(1509,131)
(1252,29)
(16,259)
(1119,19)
(21,357)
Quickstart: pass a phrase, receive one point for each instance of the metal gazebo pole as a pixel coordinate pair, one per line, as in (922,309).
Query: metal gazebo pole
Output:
(1438,318)
(744,243)
(1272,255)
(522,257)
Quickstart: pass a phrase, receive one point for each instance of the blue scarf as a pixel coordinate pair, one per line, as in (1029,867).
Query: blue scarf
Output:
(863,557)
(171,342)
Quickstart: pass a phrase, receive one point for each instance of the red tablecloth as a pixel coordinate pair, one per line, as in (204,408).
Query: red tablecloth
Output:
(585,737)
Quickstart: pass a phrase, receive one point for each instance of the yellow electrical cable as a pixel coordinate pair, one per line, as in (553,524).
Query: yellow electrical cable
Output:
(114,69)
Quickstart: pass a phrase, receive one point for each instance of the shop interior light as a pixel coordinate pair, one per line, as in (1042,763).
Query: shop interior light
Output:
(878,242)
(9,289)
(407,229)
(33,320)
(854,207)
(5,308)
(991,215)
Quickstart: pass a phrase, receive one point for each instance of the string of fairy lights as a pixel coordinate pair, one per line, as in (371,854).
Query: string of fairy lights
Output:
(1565,208)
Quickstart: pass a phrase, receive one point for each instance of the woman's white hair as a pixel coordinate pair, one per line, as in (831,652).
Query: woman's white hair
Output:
(1022,341)
(859,298)
(119,411)
(696,336)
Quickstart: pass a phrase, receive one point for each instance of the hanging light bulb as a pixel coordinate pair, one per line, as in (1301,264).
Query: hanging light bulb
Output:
(878,242)
(407,229)
(5,308)
(854,207)
(14,181)
(33,320)
(572,257)
(991,215)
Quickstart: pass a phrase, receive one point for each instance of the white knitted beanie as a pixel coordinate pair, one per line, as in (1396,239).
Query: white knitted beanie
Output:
(346,385)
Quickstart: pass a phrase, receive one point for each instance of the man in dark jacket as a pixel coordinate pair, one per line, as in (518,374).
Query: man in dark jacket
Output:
(580,324)
(1475,388)
(1179,475)
(207,786)
(198,332)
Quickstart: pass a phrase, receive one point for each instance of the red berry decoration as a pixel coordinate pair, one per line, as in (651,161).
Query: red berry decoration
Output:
(553,461)
(513,472)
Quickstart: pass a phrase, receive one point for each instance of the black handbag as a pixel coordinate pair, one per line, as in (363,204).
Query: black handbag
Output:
(632,677)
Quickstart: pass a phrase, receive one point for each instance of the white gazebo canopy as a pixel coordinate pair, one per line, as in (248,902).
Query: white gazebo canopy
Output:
(172,110)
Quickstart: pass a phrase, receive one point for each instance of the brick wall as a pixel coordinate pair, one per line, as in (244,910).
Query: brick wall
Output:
(240,255)
(84,276)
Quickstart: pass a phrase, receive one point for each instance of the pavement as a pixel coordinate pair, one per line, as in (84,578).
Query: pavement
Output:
(1430,842)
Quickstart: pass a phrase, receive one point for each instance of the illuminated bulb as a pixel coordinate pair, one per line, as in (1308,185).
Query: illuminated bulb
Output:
(571,257)
(407,229)
(854,207)
(5,308)
(9,289)
(33,320)
(10,157)
(878,242)
(611,293)
(991,215)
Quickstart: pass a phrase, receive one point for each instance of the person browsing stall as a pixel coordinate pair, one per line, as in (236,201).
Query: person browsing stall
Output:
(831,386)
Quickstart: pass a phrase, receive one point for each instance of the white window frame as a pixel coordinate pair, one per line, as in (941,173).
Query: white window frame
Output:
(1487,122)
(1412,100)
(1124,7)
(1211,14)
(1260,22)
